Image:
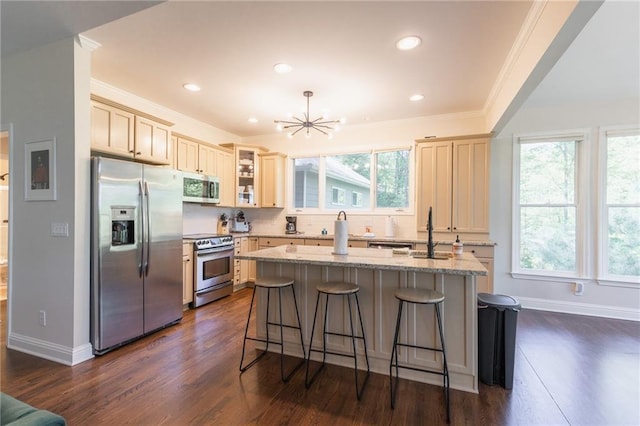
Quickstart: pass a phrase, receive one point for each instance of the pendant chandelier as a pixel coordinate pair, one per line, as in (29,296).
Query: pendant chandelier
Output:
(320,124)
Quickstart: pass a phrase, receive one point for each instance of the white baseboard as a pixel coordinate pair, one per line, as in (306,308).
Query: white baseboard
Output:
(51,351)
(580,308)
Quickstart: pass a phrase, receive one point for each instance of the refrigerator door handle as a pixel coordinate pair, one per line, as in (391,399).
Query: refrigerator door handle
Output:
(141,231)
(147,231)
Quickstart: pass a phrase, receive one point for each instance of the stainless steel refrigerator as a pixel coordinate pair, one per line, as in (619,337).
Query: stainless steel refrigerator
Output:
(136,243)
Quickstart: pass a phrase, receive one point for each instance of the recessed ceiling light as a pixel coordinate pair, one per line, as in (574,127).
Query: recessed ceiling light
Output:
(409,42)
(416,97)
(253,120)
(282,68)
(192,87)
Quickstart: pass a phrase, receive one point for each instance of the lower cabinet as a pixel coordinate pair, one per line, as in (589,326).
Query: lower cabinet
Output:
(318,242)
(253,246)
(245,270)
(187,273)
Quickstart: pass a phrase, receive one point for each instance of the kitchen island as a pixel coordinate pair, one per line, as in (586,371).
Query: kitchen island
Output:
(378,273)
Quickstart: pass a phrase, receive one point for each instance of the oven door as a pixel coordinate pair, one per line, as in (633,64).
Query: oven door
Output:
(213,274)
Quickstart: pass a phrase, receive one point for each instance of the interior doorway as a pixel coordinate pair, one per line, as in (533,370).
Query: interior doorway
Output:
(4,212)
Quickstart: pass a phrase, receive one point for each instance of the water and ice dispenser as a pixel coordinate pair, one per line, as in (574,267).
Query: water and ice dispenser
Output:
(122,225)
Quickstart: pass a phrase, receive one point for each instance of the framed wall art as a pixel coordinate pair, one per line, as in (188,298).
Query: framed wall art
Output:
(40,170)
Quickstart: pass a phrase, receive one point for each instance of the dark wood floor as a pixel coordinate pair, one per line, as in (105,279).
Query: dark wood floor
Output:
(569,370)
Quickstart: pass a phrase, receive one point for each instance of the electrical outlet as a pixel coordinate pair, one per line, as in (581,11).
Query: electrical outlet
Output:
(43,318)
(578,289)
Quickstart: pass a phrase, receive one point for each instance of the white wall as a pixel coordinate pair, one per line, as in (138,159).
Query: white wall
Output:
(41,89)
(597,300)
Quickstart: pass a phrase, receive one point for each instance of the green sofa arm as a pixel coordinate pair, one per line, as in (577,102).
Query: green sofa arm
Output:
(17,413)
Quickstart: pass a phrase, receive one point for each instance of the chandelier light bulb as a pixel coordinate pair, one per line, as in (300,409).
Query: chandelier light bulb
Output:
(279,127)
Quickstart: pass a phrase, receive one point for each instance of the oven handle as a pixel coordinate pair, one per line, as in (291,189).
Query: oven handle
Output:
(214,250)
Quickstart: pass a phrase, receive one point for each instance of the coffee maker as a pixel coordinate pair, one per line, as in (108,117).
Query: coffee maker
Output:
(291,225)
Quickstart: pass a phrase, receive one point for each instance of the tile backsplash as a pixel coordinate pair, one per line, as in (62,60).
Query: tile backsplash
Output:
(203,219)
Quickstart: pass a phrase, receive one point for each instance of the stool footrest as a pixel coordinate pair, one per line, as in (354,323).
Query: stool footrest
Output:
(332,353)
(427,348)
(283,325)
(424,370)
(343,335)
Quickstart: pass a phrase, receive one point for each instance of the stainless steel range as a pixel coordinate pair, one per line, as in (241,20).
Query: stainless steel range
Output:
(213,267)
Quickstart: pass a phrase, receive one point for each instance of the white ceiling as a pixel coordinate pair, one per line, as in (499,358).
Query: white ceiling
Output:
(342,51)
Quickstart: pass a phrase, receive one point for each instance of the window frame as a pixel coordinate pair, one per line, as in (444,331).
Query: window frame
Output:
(581,201)
(602,275)
(335,201)
(372,210)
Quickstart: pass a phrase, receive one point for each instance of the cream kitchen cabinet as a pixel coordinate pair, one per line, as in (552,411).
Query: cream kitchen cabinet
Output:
(187,273)
(247,173)
(357,243)
(253,246)
(123,132)
(318,242)
(225,170)
(208,160)
(152,141)
(265,242)
(186,154)
(453,178)
(272,179)
(112,130)
(241,271)
(245,270)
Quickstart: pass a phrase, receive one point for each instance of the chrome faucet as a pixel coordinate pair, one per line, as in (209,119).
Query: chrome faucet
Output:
(430,244)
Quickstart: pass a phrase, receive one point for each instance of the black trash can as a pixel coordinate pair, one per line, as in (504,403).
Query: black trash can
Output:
(497,321)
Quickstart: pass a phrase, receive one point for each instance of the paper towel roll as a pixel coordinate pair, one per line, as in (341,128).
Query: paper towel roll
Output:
(389,227)
(340,237)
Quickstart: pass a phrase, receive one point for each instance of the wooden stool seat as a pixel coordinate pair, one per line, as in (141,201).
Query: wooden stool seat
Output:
(419,295)
(337,287)
(273,282)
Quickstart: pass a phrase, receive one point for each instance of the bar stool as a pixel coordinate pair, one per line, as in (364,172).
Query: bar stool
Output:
(273,283)
(421,297)
(338,289)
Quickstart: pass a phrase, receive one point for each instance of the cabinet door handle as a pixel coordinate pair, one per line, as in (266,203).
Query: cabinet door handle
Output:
(448,228)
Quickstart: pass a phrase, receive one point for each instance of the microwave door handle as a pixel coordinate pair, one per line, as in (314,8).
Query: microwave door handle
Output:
(148,229)
(141,230)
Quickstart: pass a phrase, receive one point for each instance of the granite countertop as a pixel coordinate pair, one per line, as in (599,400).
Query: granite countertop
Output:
(355,237)
(369,258)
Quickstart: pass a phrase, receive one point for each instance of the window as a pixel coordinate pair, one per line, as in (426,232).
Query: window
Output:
(546,214)
(360,181)
(337,196)
(392,179)
(306,187)
(356,199)
(620,205)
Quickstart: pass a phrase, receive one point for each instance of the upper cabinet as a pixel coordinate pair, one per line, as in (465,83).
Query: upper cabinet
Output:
(186,154)
(121,131)
(152,141)
(111,130)
(259,176)
(272,179)
(453,179)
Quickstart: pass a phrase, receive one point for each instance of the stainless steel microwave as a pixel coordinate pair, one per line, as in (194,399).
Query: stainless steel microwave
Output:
(200,188)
